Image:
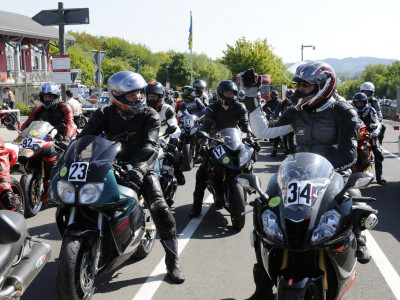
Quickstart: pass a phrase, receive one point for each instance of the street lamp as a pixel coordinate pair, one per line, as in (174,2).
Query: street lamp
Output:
(167,84)
(24,48)
(305,46)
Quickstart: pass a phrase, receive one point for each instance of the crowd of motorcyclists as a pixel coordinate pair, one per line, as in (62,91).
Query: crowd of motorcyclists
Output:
(311,118)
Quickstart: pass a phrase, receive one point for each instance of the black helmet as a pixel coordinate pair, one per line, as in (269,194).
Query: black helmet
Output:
(199,85)
(274,94)
(176,94)
(224,86)
(188,93)
(49,88)
(360,101)
(155,87)
(125,82)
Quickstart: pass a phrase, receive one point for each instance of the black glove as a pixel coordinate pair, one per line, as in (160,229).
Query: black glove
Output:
(250,86)
(256,146)
(135,175)
(8,199)
(248,79)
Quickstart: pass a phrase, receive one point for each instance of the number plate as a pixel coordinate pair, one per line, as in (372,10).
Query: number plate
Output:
(219,151)
(300,192)
(27,143)
(78,171)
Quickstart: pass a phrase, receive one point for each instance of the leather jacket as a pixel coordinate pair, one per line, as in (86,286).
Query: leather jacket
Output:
(62,113)
(217,118)
(369,117)
(195,107)
(330,131)
(138,134)
(375,105)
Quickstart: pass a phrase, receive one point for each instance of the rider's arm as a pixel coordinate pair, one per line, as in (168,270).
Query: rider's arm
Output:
(5,168)
(31,117)
(243,118)
(172,122)
(70,130)
(201,106)
(95,125)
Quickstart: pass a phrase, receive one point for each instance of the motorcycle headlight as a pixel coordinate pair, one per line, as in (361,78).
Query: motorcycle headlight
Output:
(90,192)
(327,227)
(193,130)
(66,191)
(271,227)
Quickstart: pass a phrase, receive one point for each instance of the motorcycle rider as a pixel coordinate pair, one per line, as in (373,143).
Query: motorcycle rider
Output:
(136,126)
(155,99)
(200,87)
(270,110)
(368,88)
(7,197)
(227,112)
(191,103)
(241,96)
(75,105)
(322,125)
(287,139)
(368,116)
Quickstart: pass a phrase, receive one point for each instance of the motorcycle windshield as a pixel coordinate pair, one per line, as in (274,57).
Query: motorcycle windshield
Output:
(189,120)
(37,129)
(303,179)
(231,137)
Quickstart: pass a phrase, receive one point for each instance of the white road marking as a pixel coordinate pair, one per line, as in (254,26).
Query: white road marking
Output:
(384,265)
(391,154)
(149,288)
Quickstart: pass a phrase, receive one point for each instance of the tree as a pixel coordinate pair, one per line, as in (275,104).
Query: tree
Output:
(179,71)
(258,55)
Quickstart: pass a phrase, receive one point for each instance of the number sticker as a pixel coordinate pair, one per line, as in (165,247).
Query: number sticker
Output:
(299,192)
(27,143)
(78,171)
(219,151)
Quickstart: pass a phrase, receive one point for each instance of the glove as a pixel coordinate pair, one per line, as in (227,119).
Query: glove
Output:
(65,142)
(249,84)
(8,199)
(136,176)
(203,151)
(256,146)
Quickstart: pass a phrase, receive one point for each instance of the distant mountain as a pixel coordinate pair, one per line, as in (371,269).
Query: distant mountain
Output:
(356,65)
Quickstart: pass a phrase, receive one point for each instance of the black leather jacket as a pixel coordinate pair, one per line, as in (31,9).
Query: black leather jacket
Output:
(330,131)
(217,118)
(375,105)
(138,134)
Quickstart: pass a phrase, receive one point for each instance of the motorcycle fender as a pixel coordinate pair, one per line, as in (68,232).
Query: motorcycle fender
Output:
(18,169)
(77,231)
(300,286)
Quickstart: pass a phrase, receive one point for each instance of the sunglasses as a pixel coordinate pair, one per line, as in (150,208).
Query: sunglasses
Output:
(304,84)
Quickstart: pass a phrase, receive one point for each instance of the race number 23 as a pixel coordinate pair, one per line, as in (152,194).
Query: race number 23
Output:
(78,171)
(299,192)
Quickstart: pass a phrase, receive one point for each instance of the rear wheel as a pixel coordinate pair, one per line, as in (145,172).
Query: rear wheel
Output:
(237,205)
(31,187)
(17,190)
(81,122)
(187,156)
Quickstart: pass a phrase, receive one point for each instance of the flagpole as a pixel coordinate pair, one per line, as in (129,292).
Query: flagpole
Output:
(191,67)
(190,47)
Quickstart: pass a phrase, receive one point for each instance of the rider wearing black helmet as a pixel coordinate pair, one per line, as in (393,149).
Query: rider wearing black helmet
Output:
(136,126)
(227,112)
(200,87)
(270,110)
(191,103)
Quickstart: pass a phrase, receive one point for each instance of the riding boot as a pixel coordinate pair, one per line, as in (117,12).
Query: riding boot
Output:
(174,268)
(180,178)
(263,284)
(197,203)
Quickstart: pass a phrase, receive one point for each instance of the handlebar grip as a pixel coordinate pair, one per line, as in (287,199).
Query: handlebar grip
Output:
(364,199)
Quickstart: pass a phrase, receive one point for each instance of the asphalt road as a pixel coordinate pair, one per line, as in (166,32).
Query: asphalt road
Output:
(218,261)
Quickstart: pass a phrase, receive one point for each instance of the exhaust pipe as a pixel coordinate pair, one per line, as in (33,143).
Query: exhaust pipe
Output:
(23,274)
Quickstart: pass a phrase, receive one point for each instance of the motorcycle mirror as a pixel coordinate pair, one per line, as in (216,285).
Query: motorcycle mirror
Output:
(202,134)
(11,127)
(251,182)
(356,180)
(170,129)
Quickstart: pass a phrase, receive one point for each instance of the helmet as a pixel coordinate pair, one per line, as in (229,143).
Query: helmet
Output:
(368,89)
(176,94)
(125,82)
(199,85)
(274,94)
(360,101)
(289,93)
(241,95)
(155,87)
(322,75)
(188,93)
(49,88)
(224,86)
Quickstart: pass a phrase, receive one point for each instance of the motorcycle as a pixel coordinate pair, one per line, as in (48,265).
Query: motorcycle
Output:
(190,145)
(303,226)
(80,121)
(99,216)
(365,157)
(22,257)
(7,118)
(15,168)
(229,156)
(38,154)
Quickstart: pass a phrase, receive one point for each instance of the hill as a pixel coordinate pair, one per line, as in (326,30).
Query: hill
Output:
(356,65)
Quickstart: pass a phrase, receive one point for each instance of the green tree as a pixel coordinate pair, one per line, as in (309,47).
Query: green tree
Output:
(178,72)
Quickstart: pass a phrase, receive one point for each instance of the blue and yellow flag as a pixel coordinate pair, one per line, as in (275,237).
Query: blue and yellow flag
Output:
(191,33)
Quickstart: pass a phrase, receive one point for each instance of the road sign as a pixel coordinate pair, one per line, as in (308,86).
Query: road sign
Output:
(72,16)
(93,99)
(98,77)
(98,57)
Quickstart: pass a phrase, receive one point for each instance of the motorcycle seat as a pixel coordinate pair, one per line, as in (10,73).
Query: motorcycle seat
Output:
(7,254)
(13,227)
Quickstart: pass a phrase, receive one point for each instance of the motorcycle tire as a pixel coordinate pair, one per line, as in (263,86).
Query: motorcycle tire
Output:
(18,191)
(81,122)
(73,279)
(147,242)
(187,157)
(33,198)
(310,292)
(237,201)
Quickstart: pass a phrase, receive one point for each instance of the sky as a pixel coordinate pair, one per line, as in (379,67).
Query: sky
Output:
(337,29)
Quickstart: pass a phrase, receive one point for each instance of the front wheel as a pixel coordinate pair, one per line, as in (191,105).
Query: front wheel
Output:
(187,156)
(81,122)
(148,240)
(311,291)
(75,280)
(237,205)
(31,186)
(18,191)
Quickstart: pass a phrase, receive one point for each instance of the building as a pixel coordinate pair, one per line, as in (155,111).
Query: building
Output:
(24,53)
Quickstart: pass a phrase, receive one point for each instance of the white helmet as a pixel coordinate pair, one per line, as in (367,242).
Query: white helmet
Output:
(367,86)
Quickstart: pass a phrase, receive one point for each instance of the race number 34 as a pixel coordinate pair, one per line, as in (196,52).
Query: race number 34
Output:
(78,171)
(299,192)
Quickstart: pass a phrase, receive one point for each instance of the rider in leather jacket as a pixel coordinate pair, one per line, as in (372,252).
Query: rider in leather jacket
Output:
(190,103)
(270,109)
(7,197)
(322,125)
(136,126)
(227,112)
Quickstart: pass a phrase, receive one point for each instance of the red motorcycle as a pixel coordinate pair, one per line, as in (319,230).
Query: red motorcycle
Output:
(365,157)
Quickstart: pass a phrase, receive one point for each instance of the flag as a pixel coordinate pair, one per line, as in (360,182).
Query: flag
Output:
(191,33)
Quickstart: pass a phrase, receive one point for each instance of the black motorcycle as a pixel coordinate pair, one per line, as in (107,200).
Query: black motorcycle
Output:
(190,145)
(229,154)
(22,257)
(99,215)
(303,226)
